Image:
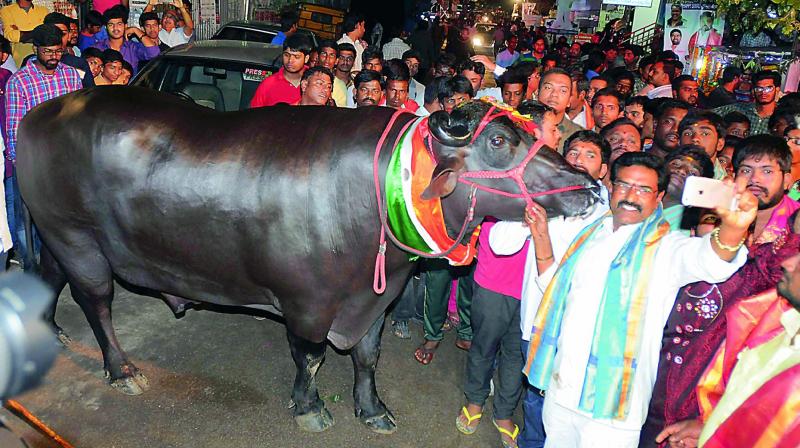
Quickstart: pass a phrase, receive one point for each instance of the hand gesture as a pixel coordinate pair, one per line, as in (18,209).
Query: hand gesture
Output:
(746,208)
(177,4)
(536,218)
(490,66)
(683,434)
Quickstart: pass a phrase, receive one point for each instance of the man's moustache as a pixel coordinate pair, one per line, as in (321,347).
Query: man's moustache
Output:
(631,204)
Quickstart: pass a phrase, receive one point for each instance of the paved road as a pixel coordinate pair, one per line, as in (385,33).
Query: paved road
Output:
(224,380)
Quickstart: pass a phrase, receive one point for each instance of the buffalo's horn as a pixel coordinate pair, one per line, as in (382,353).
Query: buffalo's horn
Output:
(448,131)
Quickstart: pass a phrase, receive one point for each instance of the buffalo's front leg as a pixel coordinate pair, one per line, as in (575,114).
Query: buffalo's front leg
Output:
(369,407)
(309,412)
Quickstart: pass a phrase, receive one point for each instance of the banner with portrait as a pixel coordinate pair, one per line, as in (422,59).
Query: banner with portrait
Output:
(689,26)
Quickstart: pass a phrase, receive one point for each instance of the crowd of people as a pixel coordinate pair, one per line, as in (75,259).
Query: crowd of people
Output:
(619,320)
(631,326)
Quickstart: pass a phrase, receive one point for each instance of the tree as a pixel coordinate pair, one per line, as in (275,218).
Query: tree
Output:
(755,15)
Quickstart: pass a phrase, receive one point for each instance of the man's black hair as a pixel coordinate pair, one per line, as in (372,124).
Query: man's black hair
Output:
(46,36)
(790,101)
(640,100)
(676,83)
(650,59)
(94,18)
(472,66)
(581,82)
(409,54)
(594,60)
(696,115)
(550,57)
(511,77)
(328,43)
(127,66)
(785,114)
(733,141)
(298,42)
(56,18)
(636,49)
(92,52)
(317,69)
(115,12)
(149,15)
(763,145)
(621,121)
(644,159)
(736,117)
(729,73)
(288,20)
(698,154)
(609,91)
(371,53)
(523,68)
(346,46)
(593,138)
(555,71)
(111,55)
(352,20)
(766,74)
(671,103)
(535,110)
(676,30)
(434,87)
(625,74)
(368,76)
(5,45)
(456,84)
(667,55)
(396,70)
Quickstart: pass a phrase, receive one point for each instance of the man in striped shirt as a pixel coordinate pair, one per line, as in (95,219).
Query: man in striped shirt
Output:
(42,78)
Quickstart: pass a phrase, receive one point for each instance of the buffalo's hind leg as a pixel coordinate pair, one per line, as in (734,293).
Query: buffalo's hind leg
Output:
(92,286)
(310,412)
(368,406)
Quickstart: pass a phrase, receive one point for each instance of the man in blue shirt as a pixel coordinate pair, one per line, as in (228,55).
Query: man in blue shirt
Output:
(288,27)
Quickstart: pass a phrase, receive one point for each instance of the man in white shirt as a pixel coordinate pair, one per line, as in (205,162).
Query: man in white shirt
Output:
(597,333)
(661,75)
(585,151)
(170,34)
(354,27)
(416,90)
(395,48)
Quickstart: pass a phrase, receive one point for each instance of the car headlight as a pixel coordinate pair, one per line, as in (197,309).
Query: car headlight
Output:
(477,41)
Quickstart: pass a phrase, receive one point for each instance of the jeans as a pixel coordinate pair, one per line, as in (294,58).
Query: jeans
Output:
(532,435)
(16,222)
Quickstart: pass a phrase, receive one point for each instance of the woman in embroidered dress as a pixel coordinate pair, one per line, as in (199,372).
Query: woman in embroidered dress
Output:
(696,328)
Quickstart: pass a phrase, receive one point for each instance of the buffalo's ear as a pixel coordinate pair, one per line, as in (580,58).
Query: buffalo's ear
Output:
(441,185)
(444,178)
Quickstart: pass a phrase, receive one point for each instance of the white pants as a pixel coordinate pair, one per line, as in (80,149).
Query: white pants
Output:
(568,429)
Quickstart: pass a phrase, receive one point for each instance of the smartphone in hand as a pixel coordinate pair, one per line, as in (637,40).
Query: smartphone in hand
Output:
(708,193)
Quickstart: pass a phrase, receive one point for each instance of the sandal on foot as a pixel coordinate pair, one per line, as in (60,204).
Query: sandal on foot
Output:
(504,432)
(424,355)
(467,429)
(463,344)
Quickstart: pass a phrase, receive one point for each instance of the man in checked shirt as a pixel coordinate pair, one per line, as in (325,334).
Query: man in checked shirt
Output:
(44,77)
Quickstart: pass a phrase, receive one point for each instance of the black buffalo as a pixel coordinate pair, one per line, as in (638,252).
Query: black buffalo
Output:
(272,209)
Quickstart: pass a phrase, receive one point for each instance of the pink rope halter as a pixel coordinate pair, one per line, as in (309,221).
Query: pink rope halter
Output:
(516,174)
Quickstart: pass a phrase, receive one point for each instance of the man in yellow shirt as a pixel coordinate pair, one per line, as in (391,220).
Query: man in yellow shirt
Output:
(19,19)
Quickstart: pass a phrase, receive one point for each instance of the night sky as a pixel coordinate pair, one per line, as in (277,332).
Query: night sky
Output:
(389,12)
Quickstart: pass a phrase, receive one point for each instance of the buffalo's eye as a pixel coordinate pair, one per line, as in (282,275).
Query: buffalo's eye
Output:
(498,141)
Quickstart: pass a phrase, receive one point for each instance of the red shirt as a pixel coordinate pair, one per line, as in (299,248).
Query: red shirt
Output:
(275,89)
(410,105)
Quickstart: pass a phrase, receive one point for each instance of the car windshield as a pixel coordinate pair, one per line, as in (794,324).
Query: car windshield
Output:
(221,85)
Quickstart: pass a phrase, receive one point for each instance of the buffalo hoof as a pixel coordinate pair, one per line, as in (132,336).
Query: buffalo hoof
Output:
(135,385)
(315,421)
(381,424)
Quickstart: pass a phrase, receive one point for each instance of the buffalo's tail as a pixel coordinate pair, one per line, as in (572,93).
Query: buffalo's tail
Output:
(30,254)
